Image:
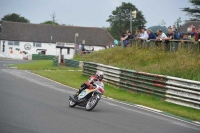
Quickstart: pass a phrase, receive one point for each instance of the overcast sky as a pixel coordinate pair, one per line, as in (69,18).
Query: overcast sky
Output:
(93,13)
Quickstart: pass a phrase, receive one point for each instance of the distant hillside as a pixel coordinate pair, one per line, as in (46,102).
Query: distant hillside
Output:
(181,64)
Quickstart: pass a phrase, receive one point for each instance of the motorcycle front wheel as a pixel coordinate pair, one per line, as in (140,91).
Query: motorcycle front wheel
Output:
(71,103)
(92,102)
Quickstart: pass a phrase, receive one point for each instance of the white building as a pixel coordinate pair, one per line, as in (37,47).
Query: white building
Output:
(19,40)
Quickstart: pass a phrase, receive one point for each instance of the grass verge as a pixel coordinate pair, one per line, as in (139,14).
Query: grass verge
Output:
(42,65)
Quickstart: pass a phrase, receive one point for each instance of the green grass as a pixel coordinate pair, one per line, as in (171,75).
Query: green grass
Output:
(42,65)
(182,64)
(68,78)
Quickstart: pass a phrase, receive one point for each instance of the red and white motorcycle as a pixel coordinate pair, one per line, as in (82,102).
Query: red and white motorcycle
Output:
(88,98)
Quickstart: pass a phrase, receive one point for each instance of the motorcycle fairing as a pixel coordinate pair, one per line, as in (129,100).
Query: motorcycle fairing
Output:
(84,93)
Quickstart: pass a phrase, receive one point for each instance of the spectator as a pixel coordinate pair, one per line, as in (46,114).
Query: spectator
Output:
(193,30)
(144,35)
(169,37)
(92,48)
(79,48)
(123,36)
(151,35)
(189,30)
(174,28)
(123,39)
(161,36)
(137,34)
(111,45)
(107,47)
(83,50)
(115,42)
(196,35)
(129,38)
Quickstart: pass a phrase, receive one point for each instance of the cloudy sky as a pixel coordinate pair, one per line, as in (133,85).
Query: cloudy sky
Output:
(93,13)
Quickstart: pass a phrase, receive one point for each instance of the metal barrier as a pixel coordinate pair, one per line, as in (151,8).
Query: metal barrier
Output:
(73,63)
(171,89)
(183,92)
(42,57)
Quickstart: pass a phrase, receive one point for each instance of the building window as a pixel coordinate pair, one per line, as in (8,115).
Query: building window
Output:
(36,44)
(15,43)
(10,42)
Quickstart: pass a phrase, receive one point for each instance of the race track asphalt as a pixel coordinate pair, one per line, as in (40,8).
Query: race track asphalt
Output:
(32,104)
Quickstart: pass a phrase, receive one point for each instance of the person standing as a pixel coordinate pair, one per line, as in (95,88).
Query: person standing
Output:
(151,35)
(170,36)
(137,34)
(161,37)
(143,35)
(129,38)
(79,48)
(116,42)
(92,48)
(189,30)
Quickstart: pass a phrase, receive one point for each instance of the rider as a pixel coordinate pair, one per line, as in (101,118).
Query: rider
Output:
(94,79)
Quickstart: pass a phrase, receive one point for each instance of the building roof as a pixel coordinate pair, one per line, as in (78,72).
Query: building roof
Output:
(183,28)
(16,31)
(156,28)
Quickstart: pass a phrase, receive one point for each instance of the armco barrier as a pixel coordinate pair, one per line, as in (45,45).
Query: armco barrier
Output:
(42,57)
(73,63)
(171,89)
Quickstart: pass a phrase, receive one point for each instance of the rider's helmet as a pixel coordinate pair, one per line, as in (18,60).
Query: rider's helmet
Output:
(99,75)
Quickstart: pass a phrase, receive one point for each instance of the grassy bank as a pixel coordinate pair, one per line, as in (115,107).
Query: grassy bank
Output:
(182,64)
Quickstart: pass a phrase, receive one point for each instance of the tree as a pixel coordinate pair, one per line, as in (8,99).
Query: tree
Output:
(50,22)
(14,18)
(120,19)
(194,12)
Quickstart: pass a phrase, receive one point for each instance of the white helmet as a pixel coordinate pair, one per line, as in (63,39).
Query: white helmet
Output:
(99,75)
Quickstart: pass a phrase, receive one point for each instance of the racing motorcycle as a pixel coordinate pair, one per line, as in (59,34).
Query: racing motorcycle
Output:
(88,98)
